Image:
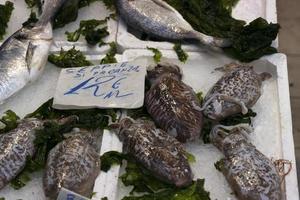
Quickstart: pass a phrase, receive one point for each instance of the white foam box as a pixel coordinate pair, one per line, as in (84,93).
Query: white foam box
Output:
(245,10)
(27,101)
(96,10)
(272,126)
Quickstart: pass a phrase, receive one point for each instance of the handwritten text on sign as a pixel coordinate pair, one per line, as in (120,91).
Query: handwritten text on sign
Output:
(118,85)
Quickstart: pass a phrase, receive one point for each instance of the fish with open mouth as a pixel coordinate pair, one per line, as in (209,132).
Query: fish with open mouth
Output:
(235,92)
(156,151)
(172,104)
(73,164)
(24,54)
(251,175)
(158,18)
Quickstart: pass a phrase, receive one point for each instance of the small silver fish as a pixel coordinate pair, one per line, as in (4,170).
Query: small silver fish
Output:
(156,150)
(235,92)
(15,147)
(73,164)
(251,174)
(172,104)
(157,18)
(24,54)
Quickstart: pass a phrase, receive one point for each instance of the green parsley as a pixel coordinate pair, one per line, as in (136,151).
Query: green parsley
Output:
(157,54)
(5,14)
(181,54)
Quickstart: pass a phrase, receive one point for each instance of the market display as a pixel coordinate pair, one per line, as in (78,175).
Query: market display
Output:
(61,147)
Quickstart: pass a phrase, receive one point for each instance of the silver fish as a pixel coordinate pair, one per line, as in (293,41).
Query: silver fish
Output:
(156,150)
(24,54)
(235,92)
(15,147)
(73,164)
(173,104)
(250,173)
(157,18)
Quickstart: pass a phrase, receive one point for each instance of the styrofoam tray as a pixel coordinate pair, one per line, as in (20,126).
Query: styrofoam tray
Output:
(96,10)
(245,10)
(272,125)
(28,100)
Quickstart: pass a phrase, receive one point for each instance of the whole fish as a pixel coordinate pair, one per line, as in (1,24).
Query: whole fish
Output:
(156,150)
(172,104)
(24,54)
(73,164)
(158,18)
(15,147)
(250,173)
(235,92)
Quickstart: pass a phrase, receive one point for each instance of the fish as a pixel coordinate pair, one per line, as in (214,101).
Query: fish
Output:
(173,104)
(235,92)
(251,175)
(15,147)
(24,54)
(73,164)
(154,149)
(159,19)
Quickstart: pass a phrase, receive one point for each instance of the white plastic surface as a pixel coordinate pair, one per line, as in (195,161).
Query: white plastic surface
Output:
(95,10)
(245,10)
(272,126)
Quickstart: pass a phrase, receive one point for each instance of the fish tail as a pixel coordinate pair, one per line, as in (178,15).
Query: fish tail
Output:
(211,41)
(49,9)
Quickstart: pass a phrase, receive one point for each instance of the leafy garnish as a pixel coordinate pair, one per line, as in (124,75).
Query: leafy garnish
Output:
(110,56)
(157,54)
(111,158)
(9,121)
(207,126)
(190,157)
(239,119)
(104,198)
(2,198)
(254,41)
(195,191)
(70,58)
(66,14)
(110,4)
(93,30)
(219,165)
(213,17)
(33,3)
(5,14)
(31,20)
(182,55)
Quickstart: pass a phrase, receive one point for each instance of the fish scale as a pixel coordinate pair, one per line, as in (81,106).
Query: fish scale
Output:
(24,54)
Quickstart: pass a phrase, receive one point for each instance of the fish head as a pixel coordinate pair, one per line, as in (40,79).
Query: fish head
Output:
(164,69)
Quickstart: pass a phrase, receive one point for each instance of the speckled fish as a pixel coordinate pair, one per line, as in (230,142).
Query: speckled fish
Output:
(235,92)
(156,150)
(24,54)
(172,104)
(15,147)
(73,164)
(157,18)
(250,173)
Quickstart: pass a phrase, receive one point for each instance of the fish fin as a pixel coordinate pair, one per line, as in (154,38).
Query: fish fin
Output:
(283,167)
(165,5)
(29,54)
(213,42)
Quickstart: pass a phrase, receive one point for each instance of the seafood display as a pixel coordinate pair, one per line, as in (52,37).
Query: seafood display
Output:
(24,54)
(165,149)
(15,147)
(251,174)
(160,153)
(73,164)
(173,104)
(157,18)
(235,92)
